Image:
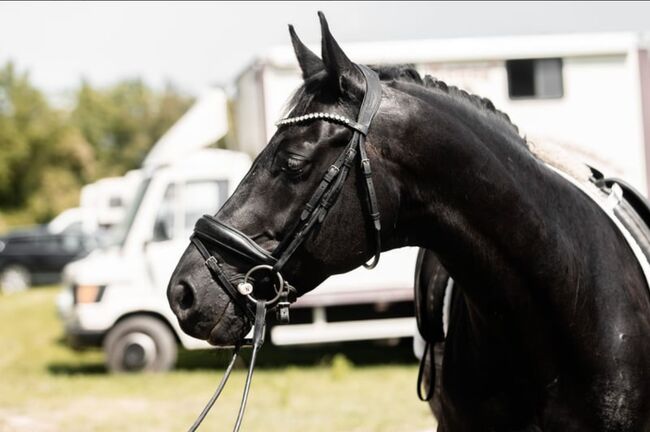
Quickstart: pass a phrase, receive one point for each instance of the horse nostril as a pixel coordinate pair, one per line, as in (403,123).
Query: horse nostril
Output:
(184,296)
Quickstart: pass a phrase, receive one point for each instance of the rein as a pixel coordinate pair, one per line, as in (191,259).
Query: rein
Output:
(211,235)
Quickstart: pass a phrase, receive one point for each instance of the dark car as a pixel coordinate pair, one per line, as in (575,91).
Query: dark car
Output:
(37,256)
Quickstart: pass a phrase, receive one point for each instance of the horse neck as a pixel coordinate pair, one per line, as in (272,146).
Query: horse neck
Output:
(471,191)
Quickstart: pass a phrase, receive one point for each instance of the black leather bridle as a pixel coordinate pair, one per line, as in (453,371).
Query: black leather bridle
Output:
(212,237)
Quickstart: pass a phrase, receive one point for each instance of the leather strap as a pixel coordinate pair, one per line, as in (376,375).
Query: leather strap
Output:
(425,397)
(214,266)
(371,100)
(258,340)
(369,108)
(373,207)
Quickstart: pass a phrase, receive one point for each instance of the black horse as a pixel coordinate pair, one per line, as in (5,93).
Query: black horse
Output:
(550,328)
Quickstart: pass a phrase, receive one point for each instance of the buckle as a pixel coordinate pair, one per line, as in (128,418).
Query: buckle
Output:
(365,167)
(331,173)
(282,310)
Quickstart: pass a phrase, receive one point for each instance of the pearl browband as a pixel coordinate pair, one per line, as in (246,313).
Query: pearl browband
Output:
(324,116)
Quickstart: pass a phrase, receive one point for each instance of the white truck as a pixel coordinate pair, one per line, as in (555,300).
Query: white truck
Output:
(104,202)
(116,295)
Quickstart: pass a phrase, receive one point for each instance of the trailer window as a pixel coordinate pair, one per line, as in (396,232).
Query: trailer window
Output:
(203,197)
(535,78)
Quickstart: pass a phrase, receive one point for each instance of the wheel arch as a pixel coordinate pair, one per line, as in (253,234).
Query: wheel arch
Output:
(156,315)
(14,261)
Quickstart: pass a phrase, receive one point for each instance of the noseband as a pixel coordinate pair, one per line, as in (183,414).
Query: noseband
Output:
(211,235)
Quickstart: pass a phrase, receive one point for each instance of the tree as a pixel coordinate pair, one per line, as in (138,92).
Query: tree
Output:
(123,121)
(46,154)
(36,147)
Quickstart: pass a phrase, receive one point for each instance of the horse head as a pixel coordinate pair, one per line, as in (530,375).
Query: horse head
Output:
(304,205)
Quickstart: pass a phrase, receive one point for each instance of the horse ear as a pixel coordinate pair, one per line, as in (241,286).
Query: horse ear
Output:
(310,63)
(339,67)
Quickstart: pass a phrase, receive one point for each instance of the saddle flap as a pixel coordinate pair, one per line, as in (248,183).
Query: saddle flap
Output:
(431,281)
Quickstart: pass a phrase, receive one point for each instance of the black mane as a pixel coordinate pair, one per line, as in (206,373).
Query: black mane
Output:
(408,73)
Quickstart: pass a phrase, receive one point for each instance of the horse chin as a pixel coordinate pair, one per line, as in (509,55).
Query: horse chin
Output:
(230,329)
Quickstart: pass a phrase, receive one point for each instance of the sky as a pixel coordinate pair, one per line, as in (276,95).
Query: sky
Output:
(194,45)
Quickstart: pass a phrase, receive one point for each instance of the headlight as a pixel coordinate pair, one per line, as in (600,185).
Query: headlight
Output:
(88,293)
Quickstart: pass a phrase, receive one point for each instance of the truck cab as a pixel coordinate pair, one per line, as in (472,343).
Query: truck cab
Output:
(116,296)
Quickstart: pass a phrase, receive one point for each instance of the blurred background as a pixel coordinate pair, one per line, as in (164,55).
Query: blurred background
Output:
(121,124)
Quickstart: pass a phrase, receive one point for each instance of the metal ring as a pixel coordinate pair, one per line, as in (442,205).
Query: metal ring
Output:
(274,300)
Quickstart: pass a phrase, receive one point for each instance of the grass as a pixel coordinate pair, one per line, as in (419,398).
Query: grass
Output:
(46,387)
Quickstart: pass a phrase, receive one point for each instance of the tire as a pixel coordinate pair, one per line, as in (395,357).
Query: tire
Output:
(140,344)
(14,278)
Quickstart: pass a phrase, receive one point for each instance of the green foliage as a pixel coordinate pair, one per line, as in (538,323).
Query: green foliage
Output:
(47,154)
(122,122)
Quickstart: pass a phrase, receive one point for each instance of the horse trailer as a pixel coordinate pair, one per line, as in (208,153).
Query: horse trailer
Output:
(552,87)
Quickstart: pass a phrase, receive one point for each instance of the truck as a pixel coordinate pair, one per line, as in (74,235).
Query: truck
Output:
(103,203)
(36,255)
(115,296)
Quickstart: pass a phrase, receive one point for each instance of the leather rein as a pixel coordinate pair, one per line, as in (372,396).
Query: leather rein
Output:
(211,235)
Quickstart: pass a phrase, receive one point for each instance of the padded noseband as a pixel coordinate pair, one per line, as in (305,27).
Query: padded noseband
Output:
(224,237)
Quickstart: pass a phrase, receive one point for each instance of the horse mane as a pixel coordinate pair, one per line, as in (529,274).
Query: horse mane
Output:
(408,73)
(548,153)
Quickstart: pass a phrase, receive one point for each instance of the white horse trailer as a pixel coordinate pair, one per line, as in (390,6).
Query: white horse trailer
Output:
(589,93)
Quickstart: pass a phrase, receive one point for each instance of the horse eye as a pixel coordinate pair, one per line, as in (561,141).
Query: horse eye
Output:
(295,165)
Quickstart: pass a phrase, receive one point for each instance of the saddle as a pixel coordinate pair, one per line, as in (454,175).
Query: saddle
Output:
(632,209)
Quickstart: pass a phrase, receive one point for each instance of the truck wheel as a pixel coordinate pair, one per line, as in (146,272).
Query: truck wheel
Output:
(140,344)
(14,278)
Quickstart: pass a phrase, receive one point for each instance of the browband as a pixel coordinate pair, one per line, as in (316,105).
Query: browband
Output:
(324,116)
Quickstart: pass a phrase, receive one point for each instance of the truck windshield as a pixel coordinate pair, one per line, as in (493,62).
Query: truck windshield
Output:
(120,231)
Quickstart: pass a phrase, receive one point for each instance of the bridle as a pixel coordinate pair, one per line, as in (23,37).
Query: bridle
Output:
(211,235)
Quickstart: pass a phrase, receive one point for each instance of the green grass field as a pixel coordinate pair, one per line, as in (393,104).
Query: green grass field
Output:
(44,386)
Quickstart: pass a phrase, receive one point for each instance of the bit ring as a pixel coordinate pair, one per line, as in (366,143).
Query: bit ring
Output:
(278,291)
